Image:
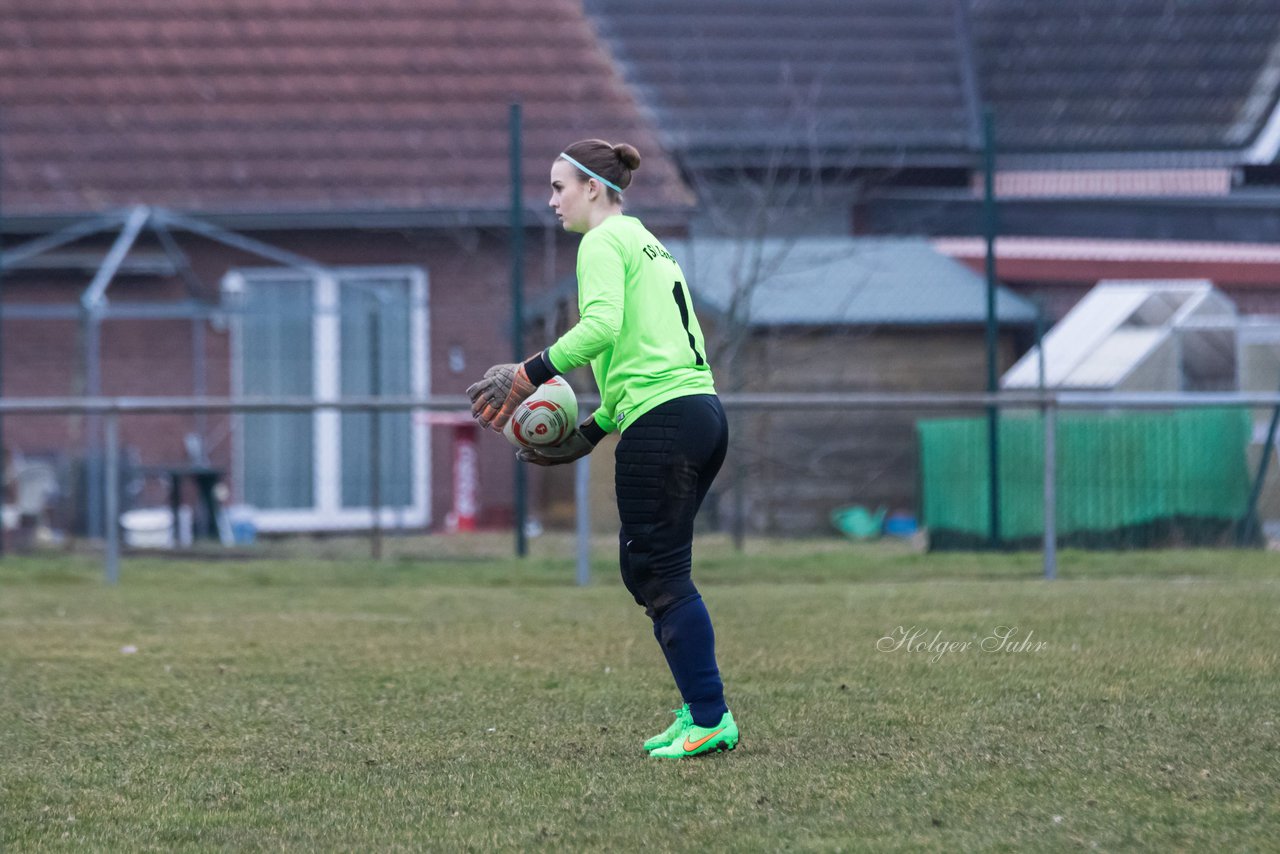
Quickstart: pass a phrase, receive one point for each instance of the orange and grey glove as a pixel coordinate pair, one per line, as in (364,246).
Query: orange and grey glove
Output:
(504,387)
(575,446)
(494,399)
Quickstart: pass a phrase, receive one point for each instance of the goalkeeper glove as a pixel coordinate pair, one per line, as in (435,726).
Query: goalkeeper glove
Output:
(494,399)
(574,447)
(504,387)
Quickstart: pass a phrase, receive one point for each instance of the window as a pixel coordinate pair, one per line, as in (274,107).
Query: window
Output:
(297,335)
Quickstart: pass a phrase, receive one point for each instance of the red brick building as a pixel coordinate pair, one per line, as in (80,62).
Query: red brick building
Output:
(369,138)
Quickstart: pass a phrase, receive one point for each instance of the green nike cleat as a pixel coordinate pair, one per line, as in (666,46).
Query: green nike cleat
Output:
(697,740)
(672,732)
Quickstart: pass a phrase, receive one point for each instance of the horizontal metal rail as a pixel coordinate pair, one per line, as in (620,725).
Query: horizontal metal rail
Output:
(1048,404)
(746,401)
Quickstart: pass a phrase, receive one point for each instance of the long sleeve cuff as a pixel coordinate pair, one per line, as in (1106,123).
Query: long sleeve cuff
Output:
(592,431)
(539,369)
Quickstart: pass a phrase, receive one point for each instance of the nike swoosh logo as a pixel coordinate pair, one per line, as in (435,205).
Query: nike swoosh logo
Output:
(694,745)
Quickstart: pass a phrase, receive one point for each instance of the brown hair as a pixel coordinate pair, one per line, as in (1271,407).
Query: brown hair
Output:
(614,163)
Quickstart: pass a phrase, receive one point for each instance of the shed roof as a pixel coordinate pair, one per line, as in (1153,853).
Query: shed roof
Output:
(841,281)
(1119,326)
(315,105)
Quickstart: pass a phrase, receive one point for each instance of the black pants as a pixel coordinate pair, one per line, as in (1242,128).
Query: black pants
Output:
(666,462)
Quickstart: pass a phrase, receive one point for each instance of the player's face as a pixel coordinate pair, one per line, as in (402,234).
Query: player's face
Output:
(570,197)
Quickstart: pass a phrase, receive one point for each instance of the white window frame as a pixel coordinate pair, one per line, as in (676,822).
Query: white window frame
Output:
(328,514)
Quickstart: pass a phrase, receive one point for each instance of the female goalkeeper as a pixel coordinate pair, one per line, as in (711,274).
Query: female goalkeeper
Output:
(638,331)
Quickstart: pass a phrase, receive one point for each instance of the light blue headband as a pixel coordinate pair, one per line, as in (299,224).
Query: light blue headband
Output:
(609,184)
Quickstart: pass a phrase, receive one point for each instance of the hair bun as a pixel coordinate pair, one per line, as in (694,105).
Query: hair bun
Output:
(627,155)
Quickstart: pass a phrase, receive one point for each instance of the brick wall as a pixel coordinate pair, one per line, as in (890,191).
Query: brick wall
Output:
(469,303)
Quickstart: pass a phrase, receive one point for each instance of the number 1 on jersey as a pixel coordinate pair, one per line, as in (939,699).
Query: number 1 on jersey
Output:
(678,293)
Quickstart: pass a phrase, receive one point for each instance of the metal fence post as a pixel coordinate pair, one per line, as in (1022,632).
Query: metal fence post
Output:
(582,504)
(111,522)
(515,125)
(375,435)
(90,345)
(1049,414)
(989,228)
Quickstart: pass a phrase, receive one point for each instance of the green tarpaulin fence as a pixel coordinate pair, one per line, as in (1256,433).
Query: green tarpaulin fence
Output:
(1131,479)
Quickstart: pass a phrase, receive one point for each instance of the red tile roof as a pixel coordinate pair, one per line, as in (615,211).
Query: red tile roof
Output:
(302,105)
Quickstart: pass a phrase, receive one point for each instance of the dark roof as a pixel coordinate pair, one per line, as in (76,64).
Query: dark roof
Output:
(1128,75)
(302,105)
(882,76)
(888,82)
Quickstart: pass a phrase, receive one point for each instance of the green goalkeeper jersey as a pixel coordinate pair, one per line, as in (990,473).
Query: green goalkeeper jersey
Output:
(637,326)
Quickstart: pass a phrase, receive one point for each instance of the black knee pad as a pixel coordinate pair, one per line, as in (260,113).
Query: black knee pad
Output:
(624,567)
(637,568)
(671,595)
(657,591)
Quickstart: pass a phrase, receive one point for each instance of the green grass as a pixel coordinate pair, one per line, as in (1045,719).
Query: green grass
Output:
(475,703)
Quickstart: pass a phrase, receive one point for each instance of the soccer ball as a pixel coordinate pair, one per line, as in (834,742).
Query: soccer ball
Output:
(545,418)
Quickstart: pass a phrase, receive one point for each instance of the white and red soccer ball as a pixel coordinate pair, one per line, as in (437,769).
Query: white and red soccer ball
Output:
(545,418)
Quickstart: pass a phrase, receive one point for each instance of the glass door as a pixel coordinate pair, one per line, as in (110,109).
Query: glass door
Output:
(277,360)
(376,357)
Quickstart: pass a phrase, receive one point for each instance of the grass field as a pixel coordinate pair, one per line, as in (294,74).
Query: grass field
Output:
(469,704)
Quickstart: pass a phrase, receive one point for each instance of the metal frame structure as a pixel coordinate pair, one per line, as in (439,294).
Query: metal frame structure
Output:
(201,305)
